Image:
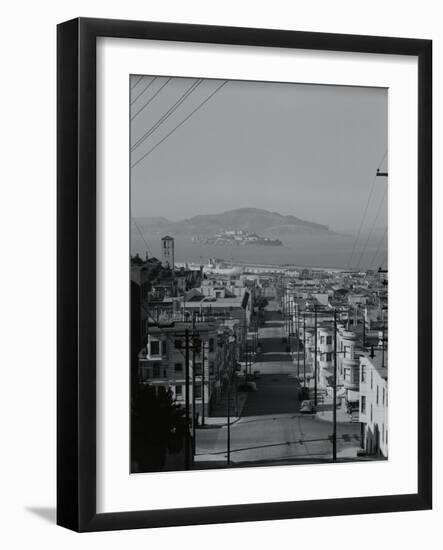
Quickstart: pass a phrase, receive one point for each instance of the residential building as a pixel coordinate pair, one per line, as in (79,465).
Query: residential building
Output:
(374,402)
(162,362)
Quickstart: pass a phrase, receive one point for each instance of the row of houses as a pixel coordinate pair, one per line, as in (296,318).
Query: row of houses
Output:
(188,320)
(212,350)
(356,342)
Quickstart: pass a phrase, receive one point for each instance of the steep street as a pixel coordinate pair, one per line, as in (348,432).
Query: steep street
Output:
(271,428)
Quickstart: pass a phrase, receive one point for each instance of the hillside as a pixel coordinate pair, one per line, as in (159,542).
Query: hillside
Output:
(256,220)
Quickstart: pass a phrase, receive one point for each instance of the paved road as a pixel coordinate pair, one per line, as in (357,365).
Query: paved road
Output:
(271,428)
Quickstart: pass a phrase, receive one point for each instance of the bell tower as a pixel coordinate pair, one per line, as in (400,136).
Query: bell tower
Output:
(168,252)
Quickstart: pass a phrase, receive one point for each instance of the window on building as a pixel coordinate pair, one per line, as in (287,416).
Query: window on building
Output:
(178,391)
(383,396)
(346,351)
(363,373)
(154,347)
(386,436)
(211,368)
(164,347)
(144,374)
(329,357)
(178,343)
(372,380)
(178,367)
(197,369)
(363,404)
(347,375)
(322,339)
(156,371)
(198,391)
(165,373)
(383,432)
(372,417)
(329,340)
(211,345)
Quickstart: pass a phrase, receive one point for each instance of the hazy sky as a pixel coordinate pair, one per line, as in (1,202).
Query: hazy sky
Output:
(307,150)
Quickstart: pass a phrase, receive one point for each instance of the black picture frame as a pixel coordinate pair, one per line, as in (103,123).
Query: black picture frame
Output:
(76,281)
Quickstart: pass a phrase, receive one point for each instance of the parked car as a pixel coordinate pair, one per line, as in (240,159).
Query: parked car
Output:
(307,407)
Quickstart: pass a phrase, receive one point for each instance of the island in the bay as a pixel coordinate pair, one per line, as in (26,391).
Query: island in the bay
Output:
(237,237)
(242,226)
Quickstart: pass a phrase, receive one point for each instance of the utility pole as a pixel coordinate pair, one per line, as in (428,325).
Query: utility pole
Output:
(383,341)
(228,414)
(245,348)
(248,367)
(284,307)
(193,396)
(298,343)
(291,328)
(203,381)
(334,402)
(315,355)
(187,446)
(304,349)
(364,331)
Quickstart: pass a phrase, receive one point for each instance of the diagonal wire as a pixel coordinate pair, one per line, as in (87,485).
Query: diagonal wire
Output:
(138,80)
(382,240)
(151,98)
(381,162)
(141,235)
(168,113)
(372,228)
(362,221)
(365,211)
(144,90)
(178,125)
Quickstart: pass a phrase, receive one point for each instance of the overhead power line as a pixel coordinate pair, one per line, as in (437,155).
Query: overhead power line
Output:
(180,124)
(168,113)
(372,228)
(380,243)
(151,99)
(368,200)
(135,83)
(144,90)
(141,235)
(382,160)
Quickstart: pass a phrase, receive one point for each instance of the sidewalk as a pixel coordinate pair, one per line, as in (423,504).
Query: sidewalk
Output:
(325,405)
(325,412)
(218,420)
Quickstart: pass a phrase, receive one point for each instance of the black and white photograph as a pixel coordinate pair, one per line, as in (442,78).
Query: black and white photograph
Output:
(259,273)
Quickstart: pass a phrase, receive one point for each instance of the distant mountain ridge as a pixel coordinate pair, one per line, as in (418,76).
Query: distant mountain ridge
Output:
(263,222)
